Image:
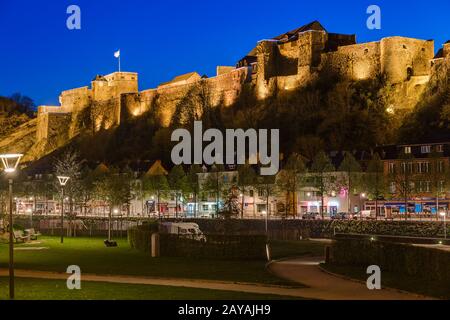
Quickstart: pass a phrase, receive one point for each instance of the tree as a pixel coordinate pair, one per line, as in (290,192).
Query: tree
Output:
(231,206)
(246,179)
(290,179)
(69,165)
(214,183)
(193,184)
(375,180)
(403,179)
(178,184)
(352,170)
(438,176)
(322,179)
(156,184)
(268,188)
(114,187)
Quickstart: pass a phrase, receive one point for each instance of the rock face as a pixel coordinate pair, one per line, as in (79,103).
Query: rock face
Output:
(286,62)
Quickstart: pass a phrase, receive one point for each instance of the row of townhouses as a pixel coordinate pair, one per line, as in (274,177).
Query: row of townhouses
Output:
(415,178)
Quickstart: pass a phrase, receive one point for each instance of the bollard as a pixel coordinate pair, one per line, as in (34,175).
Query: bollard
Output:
(155,245)
(327,254)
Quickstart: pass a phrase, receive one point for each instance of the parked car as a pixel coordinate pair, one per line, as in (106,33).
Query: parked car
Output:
(188,230)
(311,216)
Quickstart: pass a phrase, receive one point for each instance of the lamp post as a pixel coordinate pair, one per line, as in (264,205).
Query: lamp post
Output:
(10,163)
(442,213)
(62,181)
(363,196)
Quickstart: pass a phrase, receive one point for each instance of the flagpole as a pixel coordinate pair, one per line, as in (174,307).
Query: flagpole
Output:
(119,62)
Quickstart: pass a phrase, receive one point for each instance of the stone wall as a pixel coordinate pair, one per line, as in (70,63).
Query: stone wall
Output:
(402,58)
(407,64)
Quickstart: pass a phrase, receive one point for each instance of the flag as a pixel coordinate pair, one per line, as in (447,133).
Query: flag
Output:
(117,54)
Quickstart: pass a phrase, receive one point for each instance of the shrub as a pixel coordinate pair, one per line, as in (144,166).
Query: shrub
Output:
(426,263)
(217,246)
(139,237)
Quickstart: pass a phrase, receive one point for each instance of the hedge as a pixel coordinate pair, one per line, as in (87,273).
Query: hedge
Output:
(242,247)
(291,229)
(422,262)
(139,237)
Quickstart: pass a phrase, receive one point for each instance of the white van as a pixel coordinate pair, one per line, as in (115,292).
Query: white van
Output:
(188,230)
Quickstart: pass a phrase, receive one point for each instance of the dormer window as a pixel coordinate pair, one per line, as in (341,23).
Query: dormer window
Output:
(425,149)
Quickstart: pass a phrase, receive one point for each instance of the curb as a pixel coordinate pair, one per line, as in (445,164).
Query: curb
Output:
(362,282)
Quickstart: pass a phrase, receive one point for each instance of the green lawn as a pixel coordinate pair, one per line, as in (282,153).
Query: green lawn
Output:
(396,280)
(93,257)
(284,249)
(43,289)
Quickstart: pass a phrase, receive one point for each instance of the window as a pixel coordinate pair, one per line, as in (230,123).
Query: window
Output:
(441,186)
(391,167)
(260,207)
(423,167)
(260,192)
(392,187)
(205,207)
(424,186)
(407,150)
(407,167)
(440,148)
(251,193)
(440,166)
(425,149)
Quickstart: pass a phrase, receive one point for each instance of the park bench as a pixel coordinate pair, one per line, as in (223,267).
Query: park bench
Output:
(32,234)
(20,237)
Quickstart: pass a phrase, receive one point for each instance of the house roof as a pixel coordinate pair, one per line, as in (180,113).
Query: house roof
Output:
(183,77)
(156,169)
(312,26)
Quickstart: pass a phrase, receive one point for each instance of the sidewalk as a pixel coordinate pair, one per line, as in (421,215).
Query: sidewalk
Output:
(323,285)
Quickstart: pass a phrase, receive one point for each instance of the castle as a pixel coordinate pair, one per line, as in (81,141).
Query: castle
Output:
(286,62)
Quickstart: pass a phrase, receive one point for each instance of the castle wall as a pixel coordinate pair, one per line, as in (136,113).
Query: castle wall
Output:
(75,100)
(402,58)
(355,62)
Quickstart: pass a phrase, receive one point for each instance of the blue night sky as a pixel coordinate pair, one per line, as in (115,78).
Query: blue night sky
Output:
(40,57)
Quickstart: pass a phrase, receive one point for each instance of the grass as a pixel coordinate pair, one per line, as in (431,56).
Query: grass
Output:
(396,280)
(44,289)
(93,257)
(284,249)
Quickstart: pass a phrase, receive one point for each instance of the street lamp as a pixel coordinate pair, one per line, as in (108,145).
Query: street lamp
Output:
(10,163)
(442,213)
(62,182)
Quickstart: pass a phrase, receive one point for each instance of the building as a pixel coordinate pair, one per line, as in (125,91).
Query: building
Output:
(418,179)
(284,62)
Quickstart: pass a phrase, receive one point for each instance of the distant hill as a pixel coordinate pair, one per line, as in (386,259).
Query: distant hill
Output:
(14,112)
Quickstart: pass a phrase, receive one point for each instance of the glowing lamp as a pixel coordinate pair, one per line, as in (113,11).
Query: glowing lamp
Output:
(63,180)
(10,161)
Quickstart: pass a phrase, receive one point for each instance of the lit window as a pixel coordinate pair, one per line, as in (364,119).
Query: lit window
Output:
(440,148)
(425,149)
(392,187)
(391,167)
(407,150)
(440,166)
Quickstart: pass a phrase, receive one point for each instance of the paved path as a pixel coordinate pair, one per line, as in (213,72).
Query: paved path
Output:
(176,282)
(323,285)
